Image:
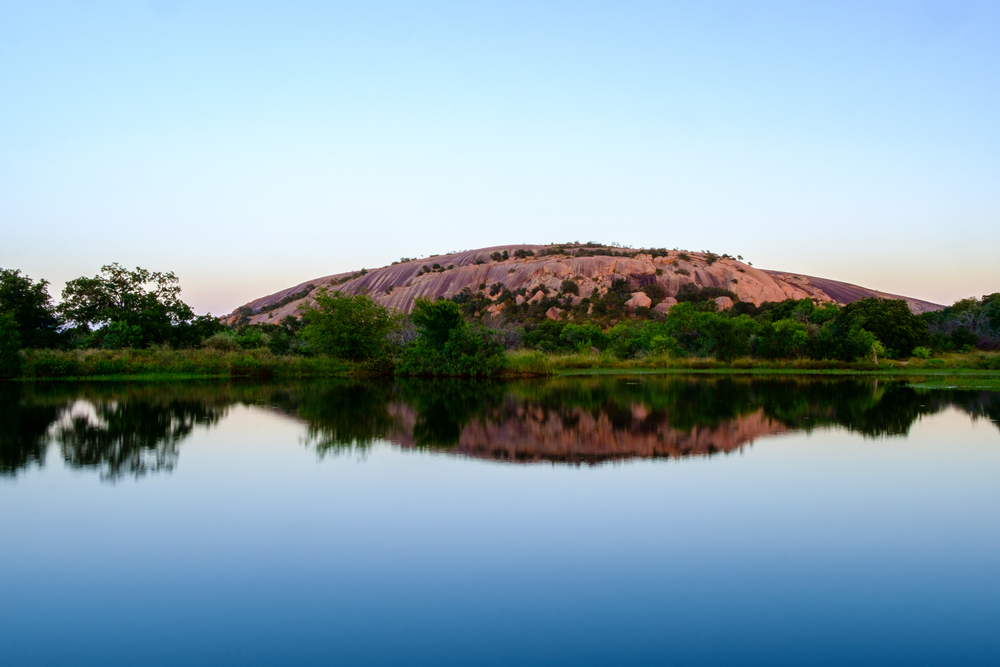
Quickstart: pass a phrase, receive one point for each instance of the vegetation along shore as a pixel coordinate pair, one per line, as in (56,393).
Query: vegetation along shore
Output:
(133,323)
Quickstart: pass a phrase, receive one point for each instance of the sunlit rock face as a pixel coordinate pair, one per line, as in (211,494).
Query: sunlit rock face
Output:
(397,286)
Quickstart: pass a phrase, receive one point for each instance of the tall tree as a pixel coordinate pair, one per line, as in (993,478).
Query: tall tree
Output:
(149,300)
(29,304)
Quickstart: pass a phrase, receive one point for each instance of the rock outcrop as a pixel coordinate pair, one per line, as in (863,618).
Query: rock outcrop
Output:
(398,285)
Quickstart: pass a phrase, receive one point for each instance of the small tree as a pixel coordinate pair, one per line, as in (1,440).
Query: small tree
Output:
(347,326)
(435,320)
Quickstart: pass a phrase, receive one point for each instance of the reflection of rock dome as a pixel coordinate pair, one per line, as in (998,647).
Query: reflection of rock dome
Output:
(577,436)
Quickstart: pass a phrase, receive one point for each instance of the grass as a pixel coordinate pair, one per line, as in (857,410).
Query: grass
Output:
(973,370)
(975,364)
(174,365)
(987,383)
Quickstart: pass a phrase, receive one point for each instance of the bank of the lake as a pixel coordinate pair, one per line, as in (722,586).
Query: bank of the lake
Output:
(166,364)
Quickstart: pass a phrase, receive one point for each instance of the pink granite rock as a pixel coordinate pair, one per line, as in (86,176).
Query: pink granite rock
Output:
(409,281)
(638,300)
(724,302)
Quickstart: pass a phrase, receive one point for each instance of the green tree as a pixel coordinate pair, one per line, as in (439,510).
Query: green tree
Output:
(447,345)
(348,326)
(118,335)
(31,307)
(149,300)
(890,320)
(781,339)
(436,320)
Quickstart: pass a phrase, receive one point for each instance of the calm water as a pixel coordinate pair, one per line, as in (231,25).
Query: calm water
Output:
(574,521)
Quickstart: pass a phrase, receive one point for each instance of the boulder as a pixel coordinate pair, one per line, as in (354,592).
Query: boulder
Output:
(519,299)
(638,300)
(536,297)
(553,313)
(665,305)
(556,269)
(724,302)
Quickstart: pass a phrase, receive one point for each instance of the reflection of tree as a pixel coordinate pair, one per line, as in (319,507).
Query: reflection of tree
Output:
(131,437)
(444,407)
(340,415)
(24,428)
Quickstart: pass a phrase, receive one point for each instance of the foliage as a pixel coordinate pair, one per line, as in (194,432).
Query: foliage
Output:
(347,326)
(165,363)
(448,345)
(889,320)
(784,339)
(569,287)
(30,305)
(10,345)
(118,335)
(144,299)
(968,322)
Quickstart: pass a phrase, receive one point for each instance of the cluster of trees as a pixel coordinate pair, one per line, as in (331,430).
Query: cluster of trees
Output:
(968,323)
(783,330)
(115,309)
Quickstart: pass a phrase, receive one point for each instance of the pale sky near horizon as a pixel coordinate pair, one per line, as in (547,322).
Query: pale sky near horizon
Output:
(252,146)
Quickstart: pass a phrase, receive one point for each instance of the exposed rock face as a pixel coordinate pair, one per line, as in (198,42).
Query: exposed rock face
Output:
(638,300)
(397,286)
(553,313)
(724,302)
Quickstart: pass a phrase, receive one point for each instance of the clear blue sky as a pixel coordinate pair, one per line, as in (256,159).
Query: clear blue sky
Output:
(250,146)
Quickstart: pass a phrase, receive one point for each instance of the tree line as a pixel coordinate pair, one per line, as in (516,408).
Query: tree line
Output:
(464,335)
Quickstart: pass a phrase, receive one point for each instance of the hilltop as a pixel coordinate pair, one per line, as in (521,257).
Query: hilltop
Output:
(590,266)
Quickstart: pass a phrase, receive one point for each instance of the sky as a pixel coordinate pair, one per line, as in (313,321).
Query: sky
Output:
(248,146)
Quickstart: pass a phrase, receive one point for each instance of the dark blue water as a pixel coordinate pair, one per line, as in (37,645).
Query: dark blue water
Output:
(593,521)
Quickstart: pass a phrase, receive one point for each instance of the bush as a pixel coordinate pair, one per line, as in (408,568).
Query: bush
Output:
(962,337)
(922,352)
(222,342)
(352,327)
(569,287)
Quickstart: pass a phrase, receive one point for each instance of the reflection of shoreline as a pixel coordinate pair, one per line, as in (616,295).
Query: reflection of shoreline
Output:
(577,436)
(136,429)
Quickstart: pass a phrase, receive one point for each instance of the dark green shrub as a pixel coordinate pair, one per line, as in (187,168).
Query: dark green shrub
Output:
(962,337)
(569,287)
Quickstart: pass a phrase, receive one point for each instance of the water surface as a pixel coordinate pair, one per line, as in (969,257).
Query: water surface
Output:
(568,521)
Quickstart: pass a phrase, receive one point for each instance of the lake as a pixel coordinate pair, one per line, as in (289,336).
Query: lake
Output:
(577,520)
